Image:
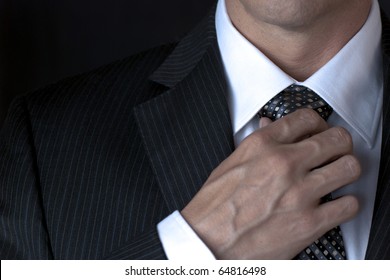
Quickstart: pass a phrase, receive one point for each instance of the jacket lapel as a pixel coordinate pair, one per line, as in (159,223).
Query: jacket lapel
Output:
(187,130)
(379,242)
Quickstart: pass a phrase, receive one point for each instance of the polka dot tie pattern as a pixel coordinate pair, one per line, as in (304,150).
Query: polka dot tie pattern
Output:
(293,98)
(330,246)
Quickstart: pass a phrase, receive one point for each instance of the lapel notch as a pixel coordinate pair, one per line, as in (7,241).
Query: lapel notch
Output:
(186,130)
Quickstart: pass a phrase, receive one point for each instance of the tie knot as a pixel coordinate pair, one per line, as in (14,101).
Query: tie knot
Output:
(292,98)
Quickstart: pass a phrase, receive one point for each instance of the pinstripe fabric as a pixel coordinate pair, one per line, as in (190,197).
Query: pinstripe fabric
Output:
(75,181)
(90,165)
(189,128)
(79,176)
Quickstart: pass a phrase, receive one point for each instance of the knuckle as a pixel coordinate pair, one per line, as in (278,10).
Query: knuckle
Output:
(320,178)
(313,145)
(351,206)
(284,128)
(346,208)
(239,172)
(309,116)
(343,135)
(352,165)
(255,141)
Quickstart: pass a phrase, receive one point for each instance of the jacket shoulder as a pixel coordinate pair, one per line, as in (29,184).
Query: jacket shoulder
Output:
(128,76)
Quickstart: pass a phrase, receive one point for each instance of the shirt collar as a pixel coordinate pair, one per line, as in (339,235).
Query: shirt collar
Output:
(351,82)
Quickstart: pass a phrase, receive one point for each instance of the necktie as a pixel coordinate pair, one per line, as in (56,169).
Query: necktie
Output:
(329,246)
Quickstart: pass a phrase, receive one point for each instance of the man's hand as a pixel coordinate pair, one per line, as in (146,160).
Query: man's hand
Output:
(263,202)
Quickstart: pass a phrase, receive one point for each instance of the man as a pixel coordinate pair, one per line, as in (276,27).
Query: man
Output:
(92,165)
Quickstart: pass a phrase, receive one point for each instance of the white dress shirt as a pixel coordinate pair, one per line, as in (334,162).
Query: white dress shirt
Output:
(351,83)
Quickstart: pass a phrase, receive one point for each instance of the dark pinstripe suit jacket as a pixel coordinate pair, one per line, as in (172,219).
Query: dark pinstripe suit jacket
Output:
(90,165)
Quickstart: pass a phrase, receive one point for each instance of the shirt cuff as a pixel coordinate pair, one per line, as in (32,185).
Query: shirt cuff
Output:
(179,240)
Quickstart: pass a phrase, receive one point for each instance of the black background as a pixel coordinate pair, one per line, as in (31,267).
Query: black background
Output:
(42,41)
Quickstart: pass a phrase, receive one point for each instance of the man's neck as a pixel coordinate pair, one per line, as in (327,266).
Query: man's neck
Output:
(300,50)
